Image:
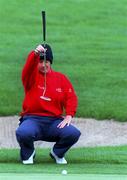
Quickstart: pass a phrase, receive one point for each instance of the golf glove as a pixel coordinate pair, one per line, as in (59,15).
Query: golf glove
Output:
(39,49)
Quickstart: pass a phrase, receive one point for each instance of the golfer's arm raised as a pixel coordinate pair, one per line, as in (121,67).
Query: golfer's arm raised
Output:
(29,70)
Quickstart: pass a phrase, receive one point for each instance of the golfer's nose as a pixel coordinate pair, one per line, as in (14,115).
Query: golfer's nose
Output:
(43,63)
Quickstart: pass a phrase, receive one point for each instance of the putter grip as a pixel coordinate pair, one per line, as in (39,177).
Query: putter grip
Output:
(44,25)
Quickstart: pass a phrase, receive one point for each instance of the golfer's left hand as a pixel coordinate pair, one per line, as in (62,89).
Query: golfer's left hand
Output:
(66,121)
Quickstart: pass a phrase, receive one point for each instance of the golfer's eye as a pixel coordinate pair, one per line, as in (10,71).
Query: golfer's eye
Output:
(47,62)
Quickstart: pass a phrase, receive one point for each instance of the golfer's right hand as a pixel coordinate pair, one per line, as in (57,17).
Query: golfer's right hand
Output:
(39,49)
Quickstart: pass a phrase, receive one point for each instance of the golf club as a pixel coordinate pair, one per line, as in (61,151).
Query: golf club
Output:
(41,54)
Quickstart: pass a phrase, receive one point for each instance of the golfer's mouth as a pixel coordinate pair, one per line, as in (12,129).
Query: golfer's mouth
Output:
(43,70)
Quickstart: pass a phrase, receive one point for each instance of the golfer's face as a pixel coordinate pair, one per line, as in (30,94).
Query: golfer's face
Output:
(44,66)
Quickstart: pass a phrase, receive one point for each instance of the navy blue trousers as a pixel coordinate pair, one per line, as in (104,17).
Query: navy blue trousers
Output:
(34,128)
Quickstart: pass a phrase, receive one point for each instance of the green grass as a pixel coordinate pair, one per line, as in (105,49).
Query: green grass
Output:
(98,160)
(89,43)
(32,176)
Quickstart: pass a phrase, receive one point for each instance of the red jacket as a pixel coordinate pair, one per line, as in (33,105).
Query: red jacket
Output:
(59,89)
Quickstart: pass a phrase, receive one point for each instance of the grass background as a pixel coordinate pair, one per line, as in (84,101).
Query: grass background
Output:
(96,160)
(89,41)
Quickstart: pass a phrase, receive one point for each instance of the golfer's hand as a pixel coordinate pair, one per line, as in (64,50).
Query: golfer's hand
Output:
(66,121)
(39,49)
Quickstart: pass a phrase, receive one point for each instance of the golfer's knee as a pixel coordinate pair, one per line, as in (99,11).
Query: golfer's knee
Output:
(22,135)
(73,136)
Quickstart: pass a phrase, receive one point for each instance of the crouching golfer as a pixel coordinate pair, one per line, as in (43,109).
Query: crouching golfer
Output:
(47,95)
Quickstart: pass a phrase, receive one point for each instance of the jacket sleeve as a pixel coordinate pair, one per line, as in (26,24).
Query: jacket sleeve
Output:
(29,71)
(71,100)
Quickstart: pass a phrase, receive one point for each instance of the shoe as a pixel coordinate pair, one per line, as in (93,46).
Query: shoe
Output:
(57,159)
(30,160)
